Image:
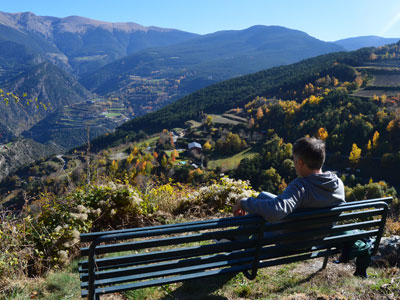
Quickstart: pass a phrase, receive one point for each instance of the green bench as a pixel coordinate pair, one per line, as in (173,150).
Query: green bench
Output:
(136,258)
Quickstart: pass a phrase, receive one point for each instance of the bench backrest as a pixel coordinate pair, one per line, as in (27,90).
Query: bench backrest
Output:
(142,257)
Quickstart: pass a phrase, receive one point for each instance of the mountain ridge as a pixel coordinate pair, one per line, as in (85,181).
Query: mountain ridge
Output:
(82,45)
(205,60)
(354,43)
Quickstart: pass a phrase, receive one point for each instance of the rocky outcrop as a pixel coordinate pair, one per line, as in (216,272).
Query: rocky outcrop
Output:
(389,251)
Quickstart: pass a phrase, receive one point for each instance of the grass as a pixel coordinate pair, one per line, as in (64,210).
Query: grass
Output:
(301,281)
(151,141)
(57,285)
(111,115)
(193,123)
(230,162)
(294,281)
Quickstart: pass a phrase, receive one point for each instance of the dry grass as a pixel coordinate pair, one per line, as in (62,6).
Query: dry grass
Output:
(297,281)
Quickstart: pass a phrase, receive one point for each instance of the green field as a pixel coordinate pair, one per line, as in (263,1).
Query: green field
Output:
(111,115)
(231,162)
(151,141)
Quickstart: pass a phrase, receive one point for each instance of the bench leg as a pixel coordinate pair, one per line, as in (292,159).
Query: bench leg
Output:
(325,262)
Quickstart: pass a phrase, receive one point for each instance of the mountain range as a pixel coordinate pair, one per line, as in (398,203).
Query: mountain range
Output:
(81,45)
(211,58)
(355,43)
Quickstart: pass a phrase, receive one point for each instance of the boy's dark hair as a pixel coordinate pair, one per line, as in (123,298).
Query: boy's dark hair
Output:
(311,151)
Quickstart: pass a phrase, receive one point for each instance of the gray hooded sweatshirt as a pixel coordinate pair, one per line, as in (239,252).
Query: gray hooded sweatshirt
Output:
(314,191)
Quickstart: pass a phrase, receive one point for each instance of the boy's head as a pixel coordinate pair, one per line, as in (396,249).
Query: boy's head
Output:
(311,151)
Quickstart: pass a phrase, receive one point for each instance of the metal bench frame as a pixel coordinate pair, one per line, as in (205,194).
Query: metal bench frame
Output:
(172,253)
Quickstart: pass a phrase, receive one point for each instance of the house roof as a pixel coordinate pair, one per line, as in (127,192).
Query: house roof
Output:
(194,145)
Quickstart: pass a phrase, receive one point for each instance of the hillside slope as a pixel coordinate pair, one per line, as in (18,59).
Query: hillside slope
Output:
(53,89)
(20,153)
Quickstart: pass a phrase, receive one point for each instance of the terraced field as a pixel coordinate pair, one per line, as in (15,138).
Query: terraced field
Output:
(386,79)
(69,127)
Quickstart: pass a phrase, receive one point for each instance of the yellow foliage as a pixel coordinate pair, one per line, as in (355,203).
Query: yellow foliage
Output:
(114,166)
(355,154)
(135,150)
(369,146)
(313,100)
(207,146)
(381,115)
(375,139)
(335,81)
(130,158)
(390,126)
(322,133)
(289,107)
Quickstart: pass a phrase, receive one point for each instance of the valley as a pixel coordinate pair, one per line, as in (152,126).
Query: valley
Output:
(107,125)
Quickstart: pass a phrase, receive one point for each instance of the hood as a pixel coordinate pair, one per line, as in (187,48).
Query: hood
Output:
(326,187)
(326,181)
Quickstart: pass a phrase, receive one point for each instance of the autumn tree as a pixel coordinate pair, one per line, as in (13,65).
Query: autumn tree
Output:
(209,121)
(171,140)
(355,154)
(375,139)
(259,114)
(207,146)
(369,145)
(174,155)
(322,134)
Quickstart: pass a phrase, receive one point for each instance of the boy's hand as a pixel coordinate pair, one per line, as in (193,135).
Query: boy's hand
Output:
(238,210)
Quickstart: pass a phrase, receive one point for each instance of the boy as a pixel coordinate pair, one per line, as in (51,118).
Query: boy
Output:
(314,188)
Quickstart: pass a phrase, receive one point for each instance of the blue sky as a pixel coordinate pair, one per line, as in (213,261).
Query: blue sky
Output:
(326,20)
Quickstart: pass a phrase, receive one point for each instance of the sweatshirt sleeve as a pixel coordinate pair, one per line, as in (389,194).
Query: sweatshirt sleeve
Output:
(276,209)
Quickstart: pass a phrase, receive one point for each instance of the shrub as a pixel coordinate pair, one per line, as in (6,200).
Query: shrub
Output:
(217,197)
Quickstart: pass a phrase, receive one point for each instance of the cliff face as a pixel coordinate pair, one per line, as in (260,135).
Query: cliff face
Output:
(20,153)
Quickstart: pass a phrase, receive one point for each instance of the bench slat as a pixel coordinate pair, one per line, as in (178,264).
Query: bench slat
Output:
(172,264)
(171,241)
(174,253)
(168,272)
